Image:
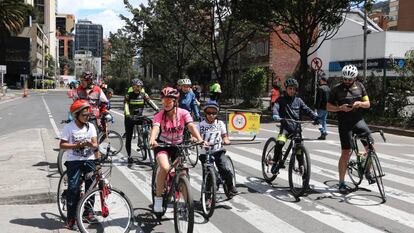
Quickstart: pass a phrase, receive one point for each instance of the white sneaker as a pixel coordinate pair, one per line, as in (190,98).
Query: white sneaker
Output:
(158,204)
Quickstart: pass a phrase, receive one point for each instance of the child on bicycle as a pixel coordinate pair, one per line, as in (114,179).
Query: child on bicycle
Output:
(79,138)
(288,106)
(169,123)
(214,133)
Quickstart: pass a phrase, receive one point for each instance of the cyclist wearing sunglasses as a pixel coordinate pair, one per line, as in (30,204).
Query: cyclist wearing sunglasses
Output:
(79,138)
(288,106)
(214,131)
(348,99)
(169,123)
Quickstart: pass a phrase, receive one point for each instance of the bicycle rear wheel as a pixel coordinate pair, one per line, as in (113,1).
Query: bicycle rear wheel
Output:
(354,171)
(62,195)
(61,159)
(208,192)
(183,206)
(119,217)
(229,166)
(267,160)
(299,171)
(114,138)
(378,174)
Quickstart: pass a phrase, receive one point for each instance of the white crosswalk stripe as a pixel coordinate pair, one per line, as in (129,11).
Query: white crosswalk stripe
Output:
(386,211)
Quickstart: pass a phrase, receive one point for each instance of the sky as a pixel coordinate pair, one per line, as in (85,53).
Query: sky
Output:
(105,12)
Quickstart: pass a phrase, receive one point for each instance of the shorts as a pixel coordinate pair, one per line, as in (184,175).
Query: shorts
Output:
(347,128)
(172,152)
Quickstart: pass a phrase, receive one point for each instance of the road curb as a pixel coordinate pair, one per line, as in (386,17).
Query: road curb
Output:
(30,199)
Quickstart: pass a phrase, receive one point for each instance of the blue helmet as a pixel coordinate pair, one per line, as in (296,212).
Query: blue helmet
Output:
(212,104)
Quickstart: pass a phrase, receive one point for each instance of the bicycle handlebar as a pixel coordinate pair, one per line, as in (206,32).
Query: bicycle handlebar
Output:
(364,135)
(183,146)
(295,121)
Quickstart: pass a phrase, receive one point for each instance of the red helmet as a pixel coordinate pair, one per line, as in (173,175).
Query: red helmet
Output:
(170,92)
(78,105)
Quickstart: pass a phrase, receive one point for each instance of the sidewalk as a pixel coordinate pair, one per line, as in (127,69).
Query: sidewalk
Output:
(28,182)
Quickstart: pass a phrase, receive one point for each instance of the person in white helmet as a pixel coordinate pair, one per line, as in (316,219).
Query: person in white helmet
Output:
(348,98)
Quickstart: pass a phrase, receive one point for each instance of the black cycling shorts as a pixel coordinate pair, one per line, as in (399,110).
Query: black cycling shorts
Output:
(346,129)
(171,151)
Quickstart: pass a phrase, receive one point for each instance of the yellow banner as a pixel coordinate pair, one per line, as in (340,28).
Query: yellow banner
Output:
(244,123)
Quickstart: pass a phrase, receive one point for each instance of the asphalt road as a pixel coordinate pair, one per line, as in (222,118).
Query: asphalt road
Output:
(259,207)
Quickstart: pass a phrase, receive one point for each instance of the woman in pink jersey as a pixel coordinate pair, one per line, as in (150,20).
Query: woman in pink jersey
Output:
(169,123)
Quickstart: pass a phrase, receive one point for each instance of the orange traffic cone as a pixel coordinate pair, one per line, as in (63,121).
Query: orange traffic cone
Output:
(25,93)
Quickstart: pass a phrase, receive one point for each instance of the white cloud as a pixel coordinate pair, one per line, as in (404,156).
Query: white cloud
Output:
(68,6)
(109,19)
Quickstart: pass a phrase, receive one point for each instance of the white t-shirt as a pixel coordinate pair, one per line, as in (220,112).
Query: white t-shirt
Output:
(72,134)
(211,133)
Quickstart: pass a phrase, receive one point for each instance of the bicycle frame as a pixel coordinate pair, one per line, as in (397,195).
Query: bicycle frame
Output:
(295,139)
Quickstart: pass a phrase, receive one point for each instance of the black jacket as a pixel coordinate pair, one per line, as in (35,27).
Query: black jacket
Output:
(322,96)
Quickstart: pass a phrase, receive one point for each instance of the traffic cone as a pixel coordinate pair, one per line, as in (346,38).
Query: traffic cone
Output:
(25,93)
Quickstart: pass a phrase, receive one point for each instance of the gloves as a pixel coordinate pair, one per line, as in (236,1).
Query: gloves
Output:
(276,118)
(315,122)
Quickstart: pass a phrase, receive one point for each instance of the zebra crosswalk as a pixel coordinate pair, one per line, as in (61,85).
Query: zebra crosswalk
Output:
(261,207)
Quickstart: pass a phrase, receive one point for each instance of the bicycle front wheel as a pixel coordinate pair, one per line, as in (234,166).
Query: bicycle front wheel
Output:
(208,192)
(267,160)
(104,212)
(183,207)
(62,196)
(299,171)
(61,159)
(192,155)
(378,174)
(142,156)
(114,138)
(354,171)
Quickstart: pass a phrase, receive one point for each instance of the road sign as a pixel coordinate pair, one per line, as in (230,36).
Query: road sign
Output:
(3,69)
(244,123)
(316,63)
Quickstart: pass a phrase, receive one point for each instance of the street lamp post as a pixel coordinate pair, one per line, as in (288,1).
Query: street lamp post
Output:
(365,40)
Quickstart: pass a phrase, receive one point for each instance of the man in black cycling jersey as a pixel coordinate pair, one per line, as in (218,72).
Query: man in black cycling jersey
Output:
(288,106)
(134,106)
(348,99)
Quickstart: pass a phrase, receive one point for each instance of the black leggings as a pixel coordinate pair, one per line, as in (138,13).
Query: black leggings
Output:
(129,130)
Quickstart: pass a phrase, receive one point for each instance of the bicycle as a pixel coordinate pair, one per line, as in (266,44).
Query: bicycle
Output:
(299,163)
(101,199)
(177,190)
(368,165)
(143,132)
(113,137)
(211,182)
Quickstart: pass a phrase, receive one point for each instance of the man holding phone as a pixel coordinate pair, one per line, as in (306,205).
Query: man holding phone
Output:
(348,99)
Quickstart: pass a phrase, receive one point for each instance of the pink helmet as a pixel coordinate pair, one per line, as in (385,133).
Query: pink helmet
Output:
(170,92)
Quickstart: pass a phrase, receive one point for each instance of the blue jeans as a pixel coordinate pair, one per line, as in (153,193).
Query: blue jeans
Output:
(323,115)
(74,171)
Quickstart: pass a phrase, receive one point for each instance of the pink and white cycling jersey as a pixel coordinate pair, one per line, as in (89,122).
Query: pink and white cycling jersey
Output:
(172,131)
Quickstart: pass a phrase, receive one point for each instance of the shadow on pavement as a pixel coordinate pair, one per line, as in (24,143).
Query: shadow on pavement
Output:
(48,221)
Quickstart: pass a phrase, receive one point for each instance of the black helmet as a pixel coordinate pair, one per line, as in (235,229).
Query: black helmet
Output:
(291,82)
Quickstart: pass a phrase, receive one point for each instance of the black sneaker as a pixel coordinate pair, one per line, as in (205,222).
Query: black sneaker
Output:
(130,160)
(275,168)
(233,191)
(370,179)
(343,189)
(322,137)
(124,135)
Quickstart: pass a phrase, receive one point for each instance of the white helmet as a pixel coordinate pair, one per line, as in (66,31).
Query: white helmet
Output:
(180,82)
(349,72)
(186,81)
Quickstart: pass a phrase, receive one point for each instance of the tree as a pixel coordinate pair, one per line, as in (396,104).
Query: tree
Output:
(253,82)
(303,25)
(122,52)
(50,69)
(161,33)
(222,31)
(66,64)
(13,15)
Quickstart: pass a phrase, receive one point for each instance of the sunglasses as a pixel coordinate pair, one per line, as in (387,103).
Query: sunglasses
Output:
(348,79)
(211,113)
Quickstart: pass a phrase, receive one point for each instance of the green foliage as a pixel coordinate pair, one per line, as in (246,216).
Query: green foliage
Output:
(50,69)
(66,63)
(13,15)
(253,83)
(119,85)
(122,52)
